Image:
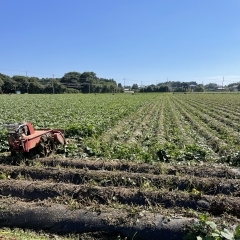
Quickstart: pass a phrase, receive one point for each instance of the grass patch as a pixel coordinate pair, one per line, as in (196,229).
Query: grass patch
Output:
(26,234)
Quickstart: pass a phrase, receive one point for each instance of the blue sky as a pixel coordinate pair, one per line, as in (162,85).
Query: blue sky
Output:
(140,41)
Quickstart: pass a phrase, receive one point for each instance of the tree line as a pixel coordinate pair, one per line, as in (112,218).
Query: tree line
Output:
(71,82)
(174,86)
(88,82)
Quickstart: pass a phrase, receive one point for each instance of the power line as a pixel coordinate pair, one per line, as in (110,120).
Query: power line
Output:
(53,83)
(11,70)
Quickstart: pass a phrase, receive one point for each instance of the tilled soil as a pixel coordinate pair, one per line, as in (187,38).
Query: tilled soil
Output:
(118,198)
(154,168)
(211,186)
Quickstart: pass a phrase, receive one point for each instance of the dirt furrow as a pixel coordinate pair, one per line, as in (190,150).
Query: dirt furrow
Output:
(155,168)
(117,178)
(88,195)
(59,218)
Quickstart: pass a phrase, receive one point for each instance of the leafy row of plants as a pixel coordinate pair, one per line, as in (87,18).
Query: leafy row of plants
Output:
(144,126)
(226,106)
(205,229)
(155,133)
(211,129)
(222,137)
(219,115)
(216,104)
(218,128)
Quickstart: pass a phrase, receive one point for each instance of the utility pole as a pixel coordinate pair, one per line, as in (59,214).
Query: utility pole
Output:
(222,83)
(142,86)
(27,81)
(53,84)
(124,83)
(88,81)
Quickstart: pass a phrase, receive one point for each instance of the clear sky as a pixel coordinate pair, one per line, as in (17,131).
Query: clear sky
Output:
(141,41)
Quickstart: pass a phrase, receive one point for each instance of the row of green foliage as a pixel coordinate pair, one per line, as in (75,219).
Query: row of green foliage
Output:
(143,127)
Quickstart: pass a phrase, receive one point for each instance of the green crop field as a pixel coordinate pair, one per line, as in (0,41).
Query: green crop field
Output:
(139,166)
(142,127)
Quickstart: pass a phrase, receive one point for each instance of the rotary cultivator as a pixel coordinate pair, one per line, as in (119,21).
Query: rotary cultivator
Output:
(23,138)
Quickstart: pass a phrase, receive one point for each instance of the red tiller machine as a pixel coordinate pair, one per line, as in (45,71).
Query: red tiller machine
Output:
(22,138)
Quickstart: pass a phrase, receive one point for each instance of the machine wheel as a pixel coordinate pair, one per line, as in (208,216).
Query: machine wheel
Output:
(46,145)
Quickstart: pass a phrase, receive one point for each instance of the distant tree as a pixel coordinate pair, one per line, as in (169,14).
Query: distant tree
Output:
(120,88)
(150,88)
(71,90)
(175,84)
(163,88)
(55,86)
(35,86)
(88,77)
(47,81)
(134,86)
(71,79)
(1,84)
(22,83)
(198,88)
(9,85)
(179,89)
(105,89)
(211,86)
(185,86)
(120,85)
(87,81)
(97,88)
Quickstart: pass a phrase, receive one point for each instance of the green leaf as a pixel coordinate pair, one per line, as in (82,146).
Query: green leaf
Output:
(203,217)
(211,224)
(215,234)
(227,234)
(237,231)
(199,238)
